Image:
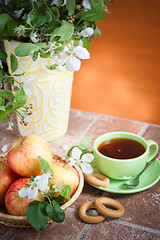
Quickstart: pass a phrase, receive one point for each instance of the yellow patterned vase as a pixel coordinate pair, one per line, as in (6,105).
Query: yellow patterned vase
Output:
(49,91)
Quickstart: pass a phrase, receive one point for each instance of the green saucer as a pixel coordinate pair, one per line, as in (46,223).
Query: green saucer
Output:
(149,178)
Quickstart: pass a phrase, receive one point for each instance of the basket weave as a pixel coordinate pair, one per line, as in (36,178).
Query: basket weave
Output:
(22,221)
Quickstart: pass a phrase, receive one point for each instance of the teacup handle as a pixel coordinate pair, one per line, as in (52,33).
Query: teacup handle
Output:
(154,150)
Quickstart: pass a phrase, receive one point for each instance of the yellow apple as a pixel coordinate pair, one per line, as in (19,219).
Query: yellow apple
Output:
(22,157)
(65,175)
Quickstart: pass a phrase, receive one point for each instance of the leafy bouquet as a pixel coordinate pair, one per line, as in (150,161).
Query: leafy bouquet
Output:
(57,29)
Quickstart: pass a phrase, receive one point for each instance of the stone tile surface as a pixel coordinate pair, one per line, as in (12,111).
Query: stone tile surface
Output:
(115,230)
(141,217)
(141,208)
(70,229)
(108,124)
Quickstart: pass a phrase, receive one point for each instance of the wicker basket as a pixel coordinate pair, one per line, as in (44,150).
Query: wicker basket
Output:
(22,221)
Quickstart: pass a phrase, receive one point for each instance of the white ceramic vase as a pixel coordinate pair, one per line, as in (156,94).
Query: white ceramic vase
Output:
(49,91)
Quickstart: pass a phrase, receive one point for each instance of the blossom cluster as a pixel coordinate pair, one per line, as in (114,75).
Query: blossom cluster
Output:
(40,182)
(57,29)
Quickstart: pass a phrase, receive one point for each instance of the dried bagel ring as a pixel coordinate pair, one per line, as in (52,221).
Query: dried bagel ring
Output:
(89,219)
(97,179)
(102,209)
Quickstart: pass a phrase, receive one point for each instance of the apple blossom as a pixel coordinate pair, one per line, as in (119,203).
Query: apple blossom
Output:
(81,52)
(87,32)
(40,182)
(34,38)
(58,3)
(73,63)
(30,192)
(82,160)
(10,126)
(86,4)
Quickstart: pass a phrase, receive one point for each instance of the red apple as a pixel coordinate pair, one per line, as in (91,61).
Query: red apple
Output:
(7,176)
(22,157)
(65,175)
(15,204)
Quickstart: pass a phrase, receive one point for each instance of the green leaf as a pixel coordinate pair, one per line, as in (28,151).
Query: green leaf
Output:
(4,18)
(97,32)
(55,13)
(20,99)
(36,214)
(65,31)
(58,198)
(5,94)
(71,5)
(3,54)
(11,25)
(9,79)
(45,166)
(51,27)
(35,56)
(14,62)
(52,67)
(39,15)
(85,43)
(92,15)
(18,74)
(1,102)
(45,55)
(55,212)
(2,108)
(85,143)
(65,191)
(26,49)
(98,6)
(8,110)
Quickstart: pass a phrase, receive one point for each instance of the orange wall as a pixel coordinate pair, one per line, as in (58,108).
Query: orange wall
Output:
(122,77)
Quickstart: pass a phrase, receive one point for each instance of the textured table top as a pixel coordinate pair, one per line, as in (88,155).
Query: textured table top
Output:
(141,218)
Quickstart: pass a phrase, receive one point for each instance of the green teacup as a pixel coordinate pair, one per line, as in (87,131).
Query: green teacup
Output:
(132,159)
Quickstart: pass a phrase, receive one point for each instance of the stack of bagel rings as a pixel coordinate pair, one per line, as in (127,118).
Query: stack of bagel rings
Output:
(99,205)
(100,180)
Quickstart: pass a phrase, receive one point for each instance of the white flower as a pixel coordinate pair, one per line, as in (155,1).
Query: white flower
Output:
(19,12)
(58,3)
(86,4)
(33,37)
(81,52)
(4,148)
(73,64)
(87,32)
(60,60)
(10,128)
(81,160)
(30,192)
(40,182)
(80,43)
(64,3)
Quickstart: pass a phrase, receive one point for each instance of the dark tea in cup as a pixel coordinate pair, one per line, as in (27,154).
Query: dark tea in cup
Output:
(121,148)
(122,155)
